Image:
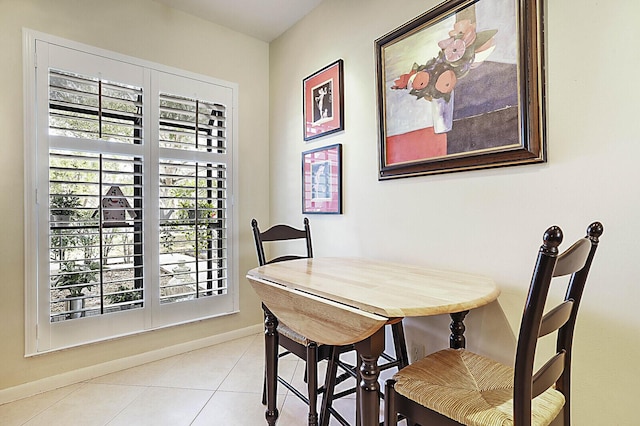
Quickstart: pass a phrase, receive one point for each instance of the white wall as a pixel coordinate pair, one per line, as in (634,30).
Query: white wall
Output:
(150,31)
(489,221)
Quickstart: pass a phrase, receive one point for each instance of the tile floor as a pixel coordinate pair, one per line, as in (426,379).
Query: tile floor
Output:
(219,385)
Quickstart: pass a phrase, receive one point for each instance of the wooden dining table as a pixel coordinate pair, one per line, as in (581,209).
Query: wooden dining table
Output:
(341,301)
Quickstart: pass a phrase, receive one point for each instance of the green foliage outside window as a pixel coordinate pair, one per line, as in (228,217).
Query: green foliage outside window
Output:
(75,277)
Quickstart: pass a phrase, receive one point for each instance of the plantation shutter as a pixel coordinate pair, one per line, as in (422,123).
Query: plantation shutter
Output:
(131,197)
(193,199)
(95,198)
(95,249)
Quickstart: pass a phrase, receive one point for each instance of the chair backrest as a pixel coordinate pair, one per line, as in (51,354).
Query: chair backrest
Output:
(281,233)
(576,262)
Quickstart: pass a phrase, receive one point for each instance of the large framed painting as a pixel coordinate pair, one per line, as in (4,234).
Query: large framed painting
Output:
(461,87)
(322,180)
(323,101)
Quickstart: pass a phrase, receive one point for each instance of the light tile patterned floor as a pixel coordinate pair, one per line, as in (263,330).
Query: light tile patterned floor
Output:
(220,385)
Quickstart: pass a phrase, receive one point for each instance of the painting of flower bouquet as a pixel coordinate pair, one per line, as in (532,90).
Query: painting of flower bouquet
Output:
(462,51)
(459,88)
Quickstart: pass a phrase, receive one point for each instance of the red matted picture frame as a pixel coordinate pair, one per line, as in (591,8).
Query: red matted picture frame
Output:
(323,101)
(322,180)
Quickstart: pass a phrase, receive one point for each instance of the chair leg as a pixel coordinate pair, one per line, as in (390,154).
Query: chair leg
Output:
(358,389)
(312,382)
(565,388)
(329,381)
(400,344)
(390,415)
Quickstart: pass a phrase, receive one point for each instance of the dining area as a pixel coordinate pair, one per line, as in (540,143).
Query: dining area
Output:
(345,302)
(482,221)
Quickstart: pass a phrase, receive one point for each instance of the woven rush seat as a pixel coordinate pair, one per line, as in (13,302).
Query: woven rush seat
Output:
(285,331)
(471,389)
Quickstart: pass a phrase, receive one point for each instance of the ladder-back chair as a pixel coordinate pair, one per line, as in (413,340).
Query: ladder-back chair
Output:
(298,345)
(466,388)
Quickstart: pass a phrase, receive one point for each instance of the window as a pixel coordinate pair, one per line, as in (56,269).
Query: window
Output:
(130,190)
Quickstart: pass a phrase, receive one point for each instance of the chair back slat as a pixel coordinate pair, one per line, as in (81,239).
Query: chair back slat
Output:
(573,258)
(548,374)
(281,233)
(556,318)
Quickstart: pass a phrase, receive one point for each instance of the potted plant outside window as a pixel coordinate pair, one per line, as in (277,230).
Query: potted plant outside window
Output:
(63,207)
(74,278)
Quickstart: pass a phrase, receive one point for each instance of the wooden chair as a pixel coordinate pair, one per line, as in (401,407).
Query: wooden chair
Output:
(456,386)
(294,343)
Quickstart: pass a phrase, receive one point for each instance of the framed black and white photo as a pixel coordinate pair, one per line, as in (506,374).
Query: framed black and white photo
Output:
(323,101)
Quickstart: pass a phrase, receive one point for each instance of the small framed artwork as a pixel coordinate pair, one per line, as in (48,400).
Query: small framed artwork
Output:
(461,87)
(322,180)
(323,101)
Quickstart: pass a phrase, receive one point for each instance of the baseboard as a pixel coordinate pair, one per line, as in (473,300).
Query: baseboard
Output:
(83,374)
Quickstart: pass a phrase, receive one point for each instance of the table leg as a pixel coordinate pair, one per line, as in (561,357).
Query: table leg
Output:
(369,351)
(457,339)
(271,364)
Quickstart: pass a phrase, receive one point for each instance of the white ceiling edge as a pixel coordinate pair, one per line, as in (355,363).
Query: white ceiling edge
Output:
(265,20)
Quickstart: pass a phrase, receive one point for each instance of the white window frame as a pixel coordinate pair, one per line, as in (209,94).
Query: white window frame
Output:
(40,334)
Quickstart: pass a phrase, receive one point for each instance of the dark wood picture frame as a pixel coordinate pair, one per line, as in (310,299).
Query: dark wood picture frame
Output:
(322,180)
(461,87)
(323,101)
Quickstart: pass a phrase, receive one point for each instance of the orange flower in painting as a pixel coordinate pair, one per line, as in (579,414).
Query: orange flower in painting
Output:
(446,81)
(421,80)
